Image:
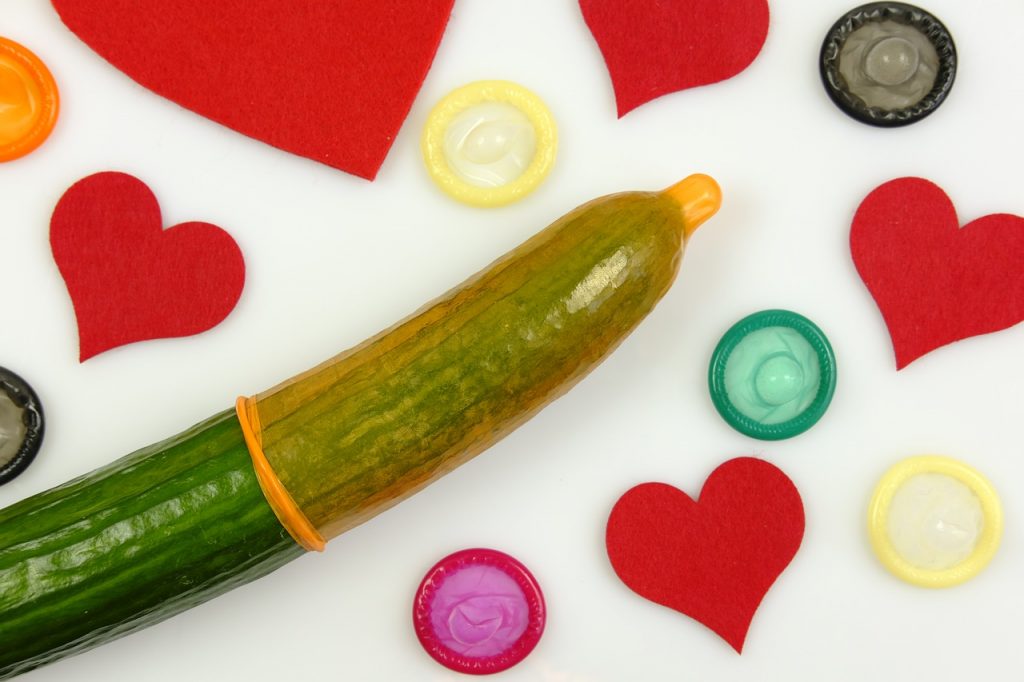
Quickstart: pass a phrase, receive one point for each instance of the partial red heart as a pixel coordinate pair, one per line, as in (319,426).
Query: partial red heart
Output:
(715,558)
(934,281)
(331,80)
(653,47)
(130,279)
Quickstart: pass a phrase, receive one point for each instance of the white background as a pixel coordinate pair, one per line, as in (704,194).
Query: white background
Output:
(332,259)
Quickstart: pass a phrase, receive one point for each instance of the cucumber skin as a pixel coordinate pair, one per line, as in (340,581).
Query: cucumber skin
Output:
(129,545)
(182,521)
(365,430)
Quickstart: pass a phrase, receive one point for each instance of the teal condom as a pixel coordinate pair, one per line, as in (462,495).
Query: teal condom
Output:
(772,375)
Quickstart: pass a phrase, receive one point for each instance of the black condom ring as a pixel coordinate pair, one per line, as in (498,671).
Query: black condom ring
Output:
(22,395)
(901,13)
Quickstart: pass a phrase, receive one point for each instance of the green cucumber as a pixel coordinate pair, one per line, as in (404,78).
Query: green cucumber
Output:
(182,521)
(133,543)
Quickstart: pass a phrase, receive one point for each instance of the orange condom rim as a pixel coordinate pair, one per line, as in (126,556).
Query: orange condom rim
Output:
(285,509)
(12,51)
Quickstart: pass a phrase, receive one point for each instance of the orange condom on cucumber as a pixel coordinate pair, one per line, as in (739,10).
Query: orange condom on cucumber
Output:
(344,441)
(320,453)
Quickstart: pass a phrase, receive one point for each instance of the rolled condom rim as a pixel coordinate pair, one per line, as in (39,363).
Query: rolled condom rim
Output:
(281,502)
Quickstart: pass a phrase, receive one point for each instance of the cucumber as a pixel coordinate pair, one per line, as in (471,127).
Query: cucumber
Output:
(368,428)
(184,520)
(128,545)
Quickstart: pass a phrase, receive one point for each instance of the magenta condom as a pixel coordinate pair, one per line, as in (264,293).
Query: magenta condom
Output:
(478,611)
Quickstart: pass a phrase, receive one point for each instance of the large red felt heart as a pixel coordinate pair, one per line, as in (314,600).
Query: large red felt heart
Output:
(331,80)
(652,47)
(713,559)
(129,279)
(934,281)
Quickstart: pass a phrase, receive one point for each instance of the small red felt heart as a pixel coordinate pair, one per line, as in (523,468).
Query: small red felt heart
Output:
(653,47)
(935,282)
(129,279)
(713,559)
(331,80)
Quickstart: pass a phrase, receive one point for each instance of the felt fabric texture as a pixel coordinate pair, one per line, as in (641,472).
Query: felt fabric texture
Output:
(715,558)
(934,281)
(131,280)
(331,80)
(654,47)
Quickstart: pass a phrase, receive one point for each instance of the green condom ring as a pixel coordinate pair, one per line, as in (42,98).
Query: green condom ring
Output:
(772,375)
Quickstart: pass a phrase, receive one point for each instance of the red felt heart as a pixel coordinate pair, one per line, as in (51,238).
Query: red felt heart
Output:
(331,80)
(713,559)
(653,47)
(934,281)
(129,279)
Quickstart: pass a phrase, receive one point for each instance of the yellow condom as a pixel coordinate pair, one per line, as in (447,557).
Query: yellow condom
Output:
(489,143)
(934,521)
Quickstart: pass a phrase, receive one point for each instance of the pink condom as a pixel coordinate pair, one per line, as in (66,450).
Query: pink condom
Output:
(478,611)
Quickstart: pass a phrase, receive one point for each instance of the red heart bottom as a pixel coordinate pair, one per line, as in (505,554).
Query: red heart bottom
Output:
(653,48)
(131,280)
(713,559)
(331,80)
